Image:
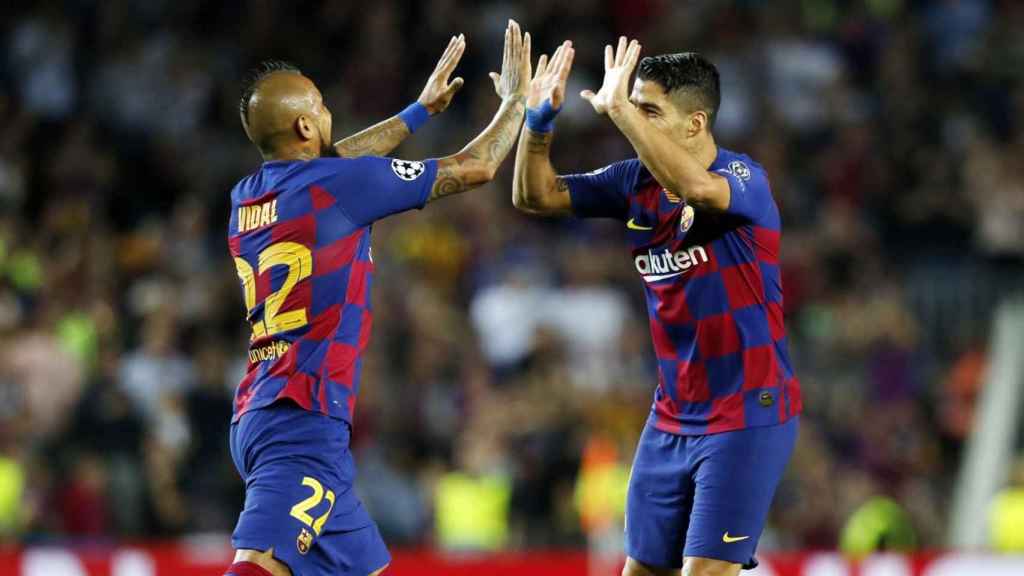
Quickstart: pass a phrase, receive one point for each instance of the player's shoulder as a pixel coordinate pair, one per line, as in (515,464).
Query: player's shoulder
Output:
(740,165)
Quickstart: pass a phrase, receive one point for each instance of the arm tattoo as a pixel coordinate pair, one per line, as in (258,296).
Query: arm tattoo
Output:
(480,158)
(538,143)
(377,140)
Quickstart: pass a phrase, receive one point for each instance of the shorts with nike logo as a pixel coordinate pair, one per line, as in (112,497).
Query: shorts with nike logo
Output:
(705,496)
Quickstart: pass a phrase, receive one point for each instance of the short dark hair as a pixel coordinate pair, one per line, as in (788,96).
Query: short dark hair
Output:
(689,73)
(256,75)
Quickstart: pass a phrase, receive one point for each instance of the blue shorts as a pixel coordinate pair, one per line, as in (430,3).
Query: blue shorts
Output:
(705,496)
(299,499)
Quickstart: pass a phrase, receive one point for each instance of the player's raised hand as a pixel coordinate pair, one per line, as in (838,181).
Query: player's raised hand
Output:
(618,67)
(514,79)
(549,80)
(438,92)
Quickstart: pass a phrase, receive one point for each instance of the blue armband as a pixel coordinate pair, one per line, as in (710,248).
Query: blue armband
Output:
(542,119)
(414,116)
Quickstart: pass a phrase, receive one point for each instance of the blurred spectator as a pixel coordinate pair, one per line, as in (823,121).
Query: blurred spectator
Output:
(508,353)
(1006,514)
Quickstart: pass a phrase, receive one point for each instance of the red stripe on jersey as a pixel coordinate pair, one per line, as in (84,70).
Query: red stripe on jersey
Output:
(299,389)
(766,244)
(664,348)
(692,382)
(324,325)
(726,414)
(299,298)
(285,364)
(340,363)
(717,336)
(743,285)
(775,321)
(336,255)
(705,268)
(321,198)
(301,230)
(356,293)
(760,367)
(244,392)
(672,306)
(235,245)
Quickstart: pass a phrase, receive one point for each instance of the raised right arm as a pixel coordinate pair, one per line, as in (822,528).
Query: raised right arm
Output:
(537,188)
(478,162)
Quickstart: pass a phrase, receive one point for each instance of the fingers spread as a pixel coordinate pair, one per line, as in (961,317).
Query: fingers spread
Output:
(566,66)
(542,63)
(620,51)
(609,57)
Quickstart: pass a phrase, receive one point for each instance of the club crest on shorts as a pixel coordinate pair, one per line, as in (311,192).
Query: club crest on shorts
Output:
(407,170)
(686,218)
(304,541)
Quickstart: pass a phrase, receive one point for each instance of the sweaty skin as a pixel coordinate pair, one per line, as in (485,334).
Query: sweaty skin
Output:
(287,118)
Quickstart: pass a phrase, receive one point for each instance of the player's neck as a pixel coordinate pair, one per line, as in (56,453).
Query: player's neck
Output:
(289,153)
(705,150)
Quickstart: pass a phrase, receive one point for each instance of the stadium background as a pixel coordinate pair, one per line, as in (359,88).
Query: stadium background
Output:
(511,368)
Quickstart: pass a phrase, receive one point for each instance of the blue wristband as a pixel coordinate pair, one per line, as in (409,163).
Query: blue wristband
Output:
(414,116)
(542,119)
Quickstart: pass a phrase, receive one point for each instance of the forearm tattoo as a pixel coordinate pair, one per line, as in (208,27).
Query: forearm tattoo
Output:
(483,155)
(377,140)
(538,143)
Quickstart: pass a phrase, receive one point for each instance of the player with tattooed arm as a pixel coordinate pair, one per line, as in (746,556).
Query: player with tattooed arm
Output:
(300,233)
(704,232)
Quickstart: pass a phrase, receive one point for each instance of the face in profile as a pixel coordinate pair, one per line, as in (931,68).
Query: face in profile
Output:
(665,111)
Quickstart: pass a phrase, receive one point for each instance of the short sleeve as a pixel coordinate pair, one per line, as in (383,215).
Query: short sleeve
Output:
(750,197)
(371,188)
(603,193)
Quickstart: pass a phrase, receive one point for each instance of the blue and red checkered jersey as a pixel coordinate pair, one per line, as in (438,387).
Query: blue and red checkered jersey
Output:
(714,294)
(300,237)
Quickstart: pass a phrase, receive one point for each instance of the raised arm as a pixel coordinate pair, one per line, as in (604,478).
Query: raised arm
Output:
(669,163)
(537,188)
(383,137)
(478,162)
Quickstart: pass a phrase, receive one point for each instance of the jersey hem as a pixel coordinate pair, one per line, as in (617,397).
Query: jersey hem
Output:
(674,427)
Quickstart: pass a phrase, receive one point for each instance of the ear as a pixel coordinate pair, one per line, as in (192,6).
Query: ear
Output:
(698,121)
(304,128)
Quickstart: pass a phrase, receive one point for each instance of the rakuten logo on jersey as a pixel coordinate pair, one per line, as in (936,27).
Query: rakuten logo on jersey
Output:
(655,266)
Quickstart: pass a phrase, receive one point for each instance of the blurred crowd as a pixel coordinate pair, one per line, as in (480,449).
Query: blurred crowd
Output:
(510,369)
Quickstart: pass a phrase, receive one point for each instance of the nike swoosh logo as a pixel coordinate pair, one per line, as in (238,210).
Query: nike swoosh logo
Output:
(634,226)
(730,539)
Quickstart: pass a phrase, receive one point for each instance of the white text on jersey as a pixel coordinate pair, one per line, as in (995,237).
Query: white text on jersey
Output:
(663,264)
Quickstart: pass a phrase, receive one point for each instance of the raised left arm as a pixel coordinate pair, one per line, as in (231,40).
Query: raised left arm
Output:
(382,138)
(671,165)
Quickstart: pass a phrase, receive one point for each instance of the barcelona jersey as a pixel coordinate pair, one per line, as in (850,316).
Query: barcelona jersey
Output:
(300,237)
(713,290)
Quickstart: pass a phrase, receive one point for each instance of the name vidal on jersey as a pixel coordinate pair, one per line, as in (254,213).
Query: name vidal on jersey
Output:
(655,266)
(257,215)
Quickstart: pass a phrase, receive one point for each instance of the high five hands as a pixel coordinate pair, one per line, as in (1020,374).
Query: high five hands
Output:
(438,92)
(618,67)
(549,81)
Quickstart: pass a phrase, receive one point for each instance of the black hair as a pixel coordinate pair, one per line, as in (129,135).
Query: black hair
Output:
(688,73)
(256,75)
